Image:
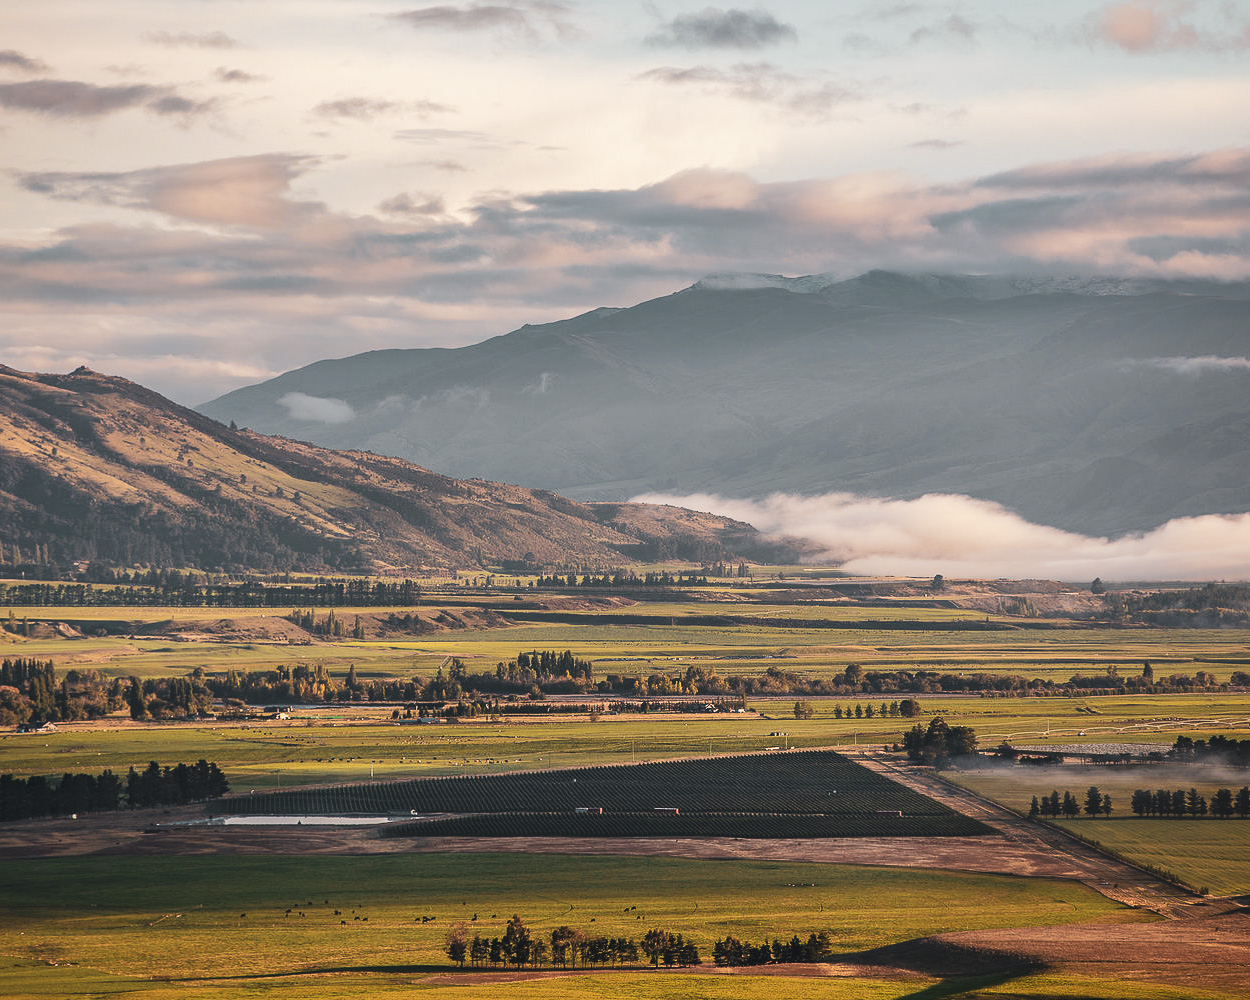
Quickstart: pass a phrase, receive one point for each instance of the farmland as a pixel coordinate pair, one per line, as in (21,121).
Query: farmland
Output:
(182,919)
(185,907)
(1204,853)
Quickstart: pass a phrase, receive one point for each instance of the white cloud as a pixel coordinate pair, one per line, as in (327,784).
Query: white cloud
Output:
(960,536)
(1191,366)
(542,386)
(321,409)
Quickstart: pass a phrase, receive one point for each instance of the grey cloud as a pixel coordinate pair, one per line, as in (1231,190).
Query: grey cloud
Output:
(207,40)
(365,108)
(173,104)
(247,191)
(1114,172)
(761,82)
(518,20)
(11,59)
(952,27)
(938,144)
(74,99)
(714,28)
(405,204)
(236,75)
(426,136)
(449,166)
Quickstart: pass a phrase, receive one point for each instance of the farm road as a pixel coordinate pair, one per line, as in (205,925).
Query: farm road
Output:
(1068,858)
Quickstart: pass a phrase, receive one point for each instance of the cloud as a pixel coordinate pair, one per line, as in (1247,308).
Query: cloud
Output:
(1194,366)
(365,108)
(74,99)
(1140,27)
(950,28)
(173,104)
(239,247)
(207,40)
(236,75)
(406,204)
(449,166)
(543,386)
(317,409)
(762,82)
(426,136)
(939,144)
(11,59)
(242,191)
(960,536)
(523,21)
(714,28)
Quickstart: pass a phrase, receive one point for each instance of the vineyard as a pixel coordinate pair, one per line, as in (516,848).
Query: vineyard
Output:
(814,793)
(751,825)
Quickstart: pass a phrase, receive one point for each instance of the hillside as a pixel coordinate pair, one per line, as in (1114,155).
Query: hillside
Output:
(1099,406)
(95,467)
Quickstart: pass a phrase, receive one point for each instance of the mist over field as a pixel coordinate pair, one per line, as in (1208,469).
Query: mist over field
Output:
(959,536)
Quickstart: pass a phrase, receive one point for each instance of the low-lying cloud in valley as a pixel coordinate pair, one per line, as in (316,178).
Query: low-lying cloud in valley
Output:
(319,409)
(959,536)
(1191,366)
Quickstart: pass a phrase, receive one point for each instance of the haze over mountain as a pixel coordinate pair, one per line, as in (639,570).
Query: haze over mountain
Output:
(1099,405)
(96,467)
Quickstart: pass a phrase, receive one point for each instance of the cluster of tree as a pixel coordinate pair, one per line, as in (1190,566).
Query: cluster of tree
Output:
(730,951)
(1096,804)
(30,798)
(162,698)
(907,708)
(31,694)
(776,681)
(1222,748)
(622,579)
(939,743)
(1180,803)
(1209,598)
(565,947)
(331,626)
(176,588)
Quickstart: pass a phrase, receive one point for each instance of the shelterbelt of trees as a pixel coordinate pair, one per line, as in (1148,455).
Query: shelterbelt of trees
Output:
(566,947)
(1177,803)
(30,798)
(32,693)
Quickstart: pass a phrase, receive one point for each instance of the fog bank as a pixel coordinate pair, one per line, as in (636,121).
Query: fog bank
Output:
(960,536)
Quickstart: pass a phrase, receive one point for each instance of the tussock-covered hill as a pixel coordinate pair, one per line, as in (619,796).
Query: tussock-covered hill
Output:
(95,467)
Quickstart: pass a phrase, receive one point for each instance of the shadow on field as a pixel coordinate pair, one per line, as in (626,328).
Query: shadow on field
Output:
(963,969)
(965,985)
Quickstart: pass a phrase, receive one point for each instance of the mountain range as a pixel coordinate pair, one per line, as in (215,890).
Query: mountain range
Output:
(1097,405)
(94,467)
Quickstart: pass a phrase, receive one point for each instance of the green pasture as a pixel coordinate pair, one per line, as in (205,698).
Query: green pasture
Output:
(32,981)
(1211,854)
(342,743)
(1204,853)
(669,644)
(182,918)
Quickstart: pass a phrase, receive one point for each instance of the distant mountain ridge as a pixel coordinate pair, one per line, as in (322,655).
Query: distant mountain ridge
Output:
(1099,405)
(98,468)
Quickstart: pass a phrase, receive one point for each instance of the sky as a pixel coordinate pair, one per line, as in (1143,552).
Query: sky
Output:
(200,194)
